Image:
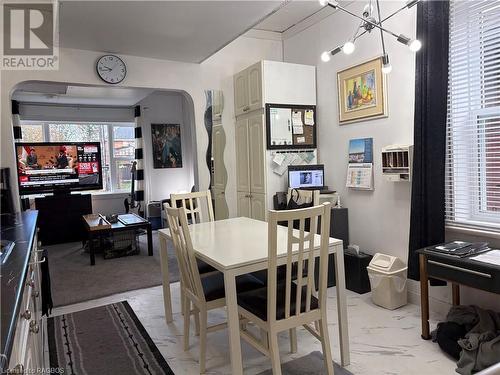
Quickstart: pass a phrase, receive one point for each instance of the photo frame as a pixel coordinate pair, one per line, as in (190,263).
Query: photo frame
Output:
(362,92)
(167,147)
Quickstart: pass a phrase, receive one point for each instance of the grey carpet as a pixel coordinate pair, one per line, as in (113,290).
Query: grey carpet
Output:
(74,280)
(103,340)
(311,364)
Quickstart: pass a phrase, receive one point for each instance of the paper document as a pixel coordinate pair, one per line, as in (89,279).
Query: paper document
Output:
(491,257)
(307,157)
(297,124)
(279,158)
(309,117)
(360,176)
(283,167)
(297,118)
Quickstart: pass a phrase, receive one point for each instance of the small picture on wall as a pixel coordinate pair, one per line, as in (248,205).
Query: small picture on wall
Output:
(167,150)
(361,90)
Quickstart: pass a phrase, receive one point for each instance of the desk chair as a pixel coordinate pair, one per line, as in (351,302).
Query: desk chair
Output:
(203,294)
(289,304)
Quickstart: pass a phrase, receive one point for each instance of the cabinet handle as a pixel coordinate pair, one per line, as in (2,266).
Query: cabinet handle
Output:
(246,108)
(26,315)
(34,327)
(19,369)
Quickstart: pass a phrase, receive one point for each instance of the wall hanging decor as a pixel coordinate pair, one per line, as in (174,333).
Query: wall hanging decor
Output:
(362,92)
(167,149)
(290,126)
(370,21)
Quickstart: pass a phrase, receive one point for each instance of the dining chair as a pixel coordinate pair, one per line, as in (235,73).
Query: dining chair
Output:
(198,205)
(286,305)
(201,293)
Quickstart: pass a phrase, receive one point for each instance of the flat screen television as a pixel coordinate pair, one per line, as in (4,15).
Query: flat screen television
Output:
(54,167)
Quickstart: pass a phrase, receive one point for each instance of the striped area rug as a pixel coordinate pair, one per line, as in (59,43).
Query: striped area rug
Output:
(103,340)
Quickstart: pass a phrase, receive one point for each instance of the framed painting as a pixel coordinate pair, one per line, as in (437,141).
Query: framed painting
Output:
(362,92)
(167,150)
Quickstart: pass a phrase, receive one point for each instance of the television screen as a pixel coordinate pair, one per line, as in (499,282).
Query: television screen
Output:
(47,167)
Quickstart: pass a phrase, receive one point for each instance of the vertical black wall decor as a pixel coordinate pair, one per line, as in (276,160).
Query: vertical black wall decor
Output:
(139,158)
(16,121)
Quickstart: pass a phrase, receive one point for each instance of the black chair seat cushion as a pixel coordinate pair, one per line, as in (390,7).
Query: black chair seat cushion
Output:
(204,267)
(213,285)
(255,301)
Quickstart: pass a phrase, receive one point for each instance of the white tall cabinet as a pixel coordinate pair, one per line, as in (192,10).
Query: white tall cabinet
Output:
(264,82)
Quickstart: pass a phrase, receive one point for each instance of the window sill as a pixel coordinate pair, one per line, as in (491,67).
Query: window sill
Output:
(473,231)
(109,195)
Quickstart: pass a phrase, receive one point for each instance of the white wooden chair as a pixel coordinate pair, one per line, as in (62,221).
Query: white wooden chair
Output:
(205,293)
(275,308)
(198,208)
(198,205)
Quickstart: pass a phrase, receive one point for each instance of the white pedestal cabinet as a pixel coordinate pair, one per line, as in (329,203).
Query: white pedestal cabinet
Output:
(264,82)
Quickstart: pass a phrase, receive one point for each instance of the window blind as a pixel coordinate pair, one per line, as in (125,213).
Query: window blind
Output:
(473,122)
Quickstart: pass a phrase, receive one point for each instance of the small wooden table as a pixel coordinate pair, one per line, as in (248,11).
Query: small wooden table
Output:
(239,246)
(95,229)
(458,271)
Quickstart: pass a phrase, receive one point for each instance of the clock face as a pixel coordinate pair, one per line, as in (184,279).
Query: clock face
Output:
(111,69)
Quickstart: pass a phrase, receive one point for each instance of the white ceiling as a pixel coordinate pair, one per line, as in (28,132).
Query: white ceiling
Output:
(187,31)
(79,95)
(289,15)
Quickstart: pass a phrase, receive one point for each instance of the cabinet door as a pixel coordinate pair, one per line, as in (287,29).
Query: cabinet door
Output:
(244,204)
(258,206)
(256,153)
(255,87)
(242,156)
(241,91)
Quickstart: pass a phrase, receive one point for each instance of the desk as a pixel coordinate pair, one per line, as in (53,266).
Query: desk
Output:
(93,232)
(458,271)
(239,246)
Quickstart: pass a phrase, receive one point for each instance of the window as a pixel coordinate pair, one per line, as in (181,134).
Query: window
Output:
(473,138)
(117,145)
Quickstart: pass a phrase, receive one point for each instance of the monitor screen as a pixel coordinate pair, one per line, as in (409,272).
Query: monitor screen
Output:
(306,176)
(46,167)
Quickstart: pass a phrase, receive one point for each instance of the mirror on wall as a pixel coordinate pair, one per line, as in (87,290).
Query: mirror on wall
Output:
(215,152)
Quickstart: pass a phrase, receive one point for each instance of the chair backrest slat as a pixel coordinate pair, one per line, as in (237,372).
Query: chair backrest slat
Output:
(188,267)
(194,203)
(300,247)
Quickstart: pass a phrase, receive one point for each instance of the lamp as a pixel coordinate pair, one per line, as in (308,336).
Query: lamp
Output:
(368,23)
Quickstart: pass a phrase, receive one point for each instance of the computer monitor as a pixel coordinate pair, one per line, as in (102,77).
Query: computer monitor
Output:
(306,176)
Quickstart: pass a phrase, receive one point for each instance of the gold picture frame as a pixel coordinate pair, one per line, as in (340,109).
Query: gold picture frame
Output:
(362,92)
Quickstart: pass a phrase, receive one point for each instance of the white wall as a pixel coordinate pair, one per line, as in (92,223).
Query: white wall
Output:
(167,108)
(77,66)
(379,221)
(389,201)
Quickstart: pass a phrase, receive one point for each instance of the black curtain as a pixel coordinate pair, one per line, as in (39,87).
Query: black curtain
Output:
(431,89)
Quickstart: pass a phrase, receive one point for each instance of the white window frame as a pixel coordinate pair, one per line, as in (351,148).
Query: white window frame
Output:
(113,175)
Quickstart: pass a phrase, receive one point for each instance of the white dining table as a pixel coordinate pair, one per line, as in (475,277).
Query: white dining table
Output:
(238,246)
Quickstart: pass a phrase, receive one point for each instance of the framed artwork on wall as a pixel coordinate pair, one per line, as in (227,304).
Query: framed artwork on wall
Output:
(167,149)
(362,92)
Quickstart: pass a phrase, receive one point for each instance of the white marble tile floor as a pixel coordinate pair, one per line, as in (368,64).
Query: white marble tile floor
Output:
(382,342)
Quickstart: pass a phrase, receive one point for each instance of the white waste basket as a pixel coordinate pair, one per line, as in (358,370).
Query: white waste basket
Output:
(388,281)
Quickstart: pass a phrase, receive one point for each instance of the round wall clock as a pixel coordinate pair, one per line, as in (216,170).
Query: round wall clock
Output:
(111,69)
